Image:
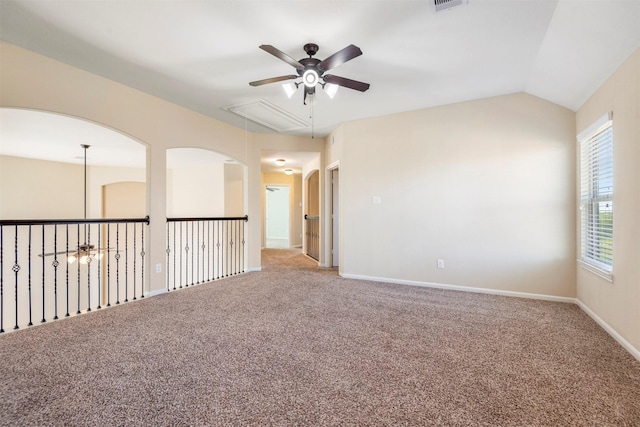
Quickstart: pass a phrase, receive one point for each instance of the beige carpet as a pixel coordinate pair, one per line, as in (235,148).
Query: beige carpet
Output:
(297,345)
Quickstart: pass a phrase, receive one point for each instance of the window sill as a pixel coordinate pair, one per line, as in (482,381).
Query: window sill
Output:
(606,275)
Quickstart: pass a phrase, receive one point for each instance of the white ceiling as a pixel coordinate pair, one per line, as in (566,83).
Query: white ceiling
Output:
(202,54)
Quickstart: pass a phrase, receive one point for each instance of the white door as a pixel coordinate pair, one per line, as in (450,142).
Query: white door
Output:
(277,216)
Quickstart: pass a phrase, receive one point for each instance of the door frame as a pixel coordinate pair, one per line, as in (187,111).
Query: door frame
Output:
(266,212)
(329,235)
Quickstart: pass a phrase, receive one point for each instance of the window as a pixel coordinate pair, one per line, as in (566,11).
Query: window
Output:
(596,196)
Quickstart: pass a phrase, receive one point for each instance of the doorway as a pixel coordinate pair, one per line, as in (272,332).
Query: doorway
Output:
(277,217)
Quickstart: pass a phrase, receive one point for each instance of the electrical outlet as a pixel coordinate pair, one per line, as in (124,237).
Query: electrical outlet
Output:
(158,268)
(440,263)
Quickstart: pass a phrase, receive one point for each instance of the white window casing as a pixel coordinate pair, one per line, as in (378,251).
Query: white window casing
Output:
(596,197)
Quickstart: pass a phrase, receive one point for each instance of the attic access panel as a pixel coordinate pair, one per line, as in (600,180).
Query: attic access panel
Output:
(269,115)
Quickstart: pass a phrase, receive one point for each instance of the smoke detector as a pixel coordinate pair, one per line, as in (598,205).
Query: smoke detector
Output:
(442,5)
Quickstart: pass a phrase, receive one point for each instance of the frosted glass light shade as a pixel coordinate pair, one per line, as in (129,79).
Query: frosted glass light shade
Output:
(331,89)
(289,88)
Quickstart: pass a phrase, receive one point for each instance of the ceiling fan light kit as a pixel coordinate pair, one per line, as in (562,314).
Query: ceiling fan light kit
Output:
(85,255)
(312,70)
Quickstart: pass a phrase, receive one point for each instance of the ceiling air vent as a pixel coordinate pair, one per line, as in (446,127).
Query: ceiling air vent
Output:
(442,5)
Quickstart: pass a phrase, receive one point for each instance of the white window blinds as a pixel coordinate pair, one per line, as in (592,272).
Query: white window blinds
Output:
(596,194)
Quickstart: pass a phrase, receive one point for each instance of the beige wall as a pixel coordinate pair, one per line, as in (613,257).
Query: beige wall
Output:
(124,200)
(100,176)
(233,190)
(196,191)
(39,189)
(488,186)
(618,303)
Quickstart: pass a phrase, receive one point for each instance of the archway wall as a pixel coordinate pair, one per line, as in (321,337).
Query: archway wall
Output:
(32,81)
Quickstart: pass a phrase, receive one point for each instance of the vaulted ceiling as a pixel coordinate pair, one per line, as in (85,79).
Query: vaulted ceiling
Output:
(202,54)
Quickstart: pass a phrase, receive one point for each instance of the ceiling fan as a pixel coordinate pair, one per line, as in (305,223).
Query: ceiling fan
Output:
(312,70)
(84,253)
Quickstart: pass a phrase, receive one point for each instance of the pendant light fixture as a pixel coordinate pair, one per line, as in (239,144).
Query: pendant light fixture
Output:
(86,252)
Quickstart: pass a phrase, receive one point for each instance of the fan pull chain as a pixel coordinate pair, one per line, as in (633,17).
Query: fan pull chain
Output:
(311,117)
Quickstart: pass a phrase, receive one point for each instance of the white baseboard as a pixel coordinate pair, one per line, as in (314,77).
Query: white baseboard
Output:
(462,288)
(156,292)
(615,335)
(252,269)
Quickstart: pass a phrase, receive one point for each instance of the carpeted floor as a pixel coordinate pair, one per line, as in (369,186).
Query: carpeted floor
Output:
(298,345)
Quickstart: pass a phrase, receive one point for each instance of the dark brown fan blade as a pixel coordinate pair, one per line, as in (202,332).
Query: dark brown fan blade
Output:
(345,82)
(56,253)
(340,57)
(273,80)
(280,55)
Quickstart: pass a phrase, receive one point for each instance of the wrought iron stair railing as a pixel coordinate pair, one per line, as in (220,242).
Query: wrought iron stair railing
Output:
(59,268)
(204,249)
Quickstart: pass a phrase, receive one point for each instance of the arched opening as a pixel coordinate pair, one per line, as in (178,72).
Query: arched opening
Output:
(206,237)
(53,170)
(41,155)
(203,183)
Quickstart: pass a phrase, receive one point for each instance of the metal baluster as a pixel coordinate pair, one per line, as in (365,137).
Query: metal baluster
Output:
(99,259)
(186,266)
(243,243)
(192,253)
(174,255)
(210,249)
(168,258)
(204,247)
(117,263)
(223,246)
(135,257)
(108,265)
(16,269)
(29,276)
(67,269)
(197,244)
(229,225)
(87,231)
(43,270)
(142,254)
(126,263)
(55,264)
(78,262)
(1,279)
(204,251)
(219,263)
(181,252)
(231,248)
(237,239)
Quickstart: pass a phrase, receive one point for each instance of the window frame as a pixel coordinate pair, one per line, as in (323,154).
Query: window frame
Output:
(596,192)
